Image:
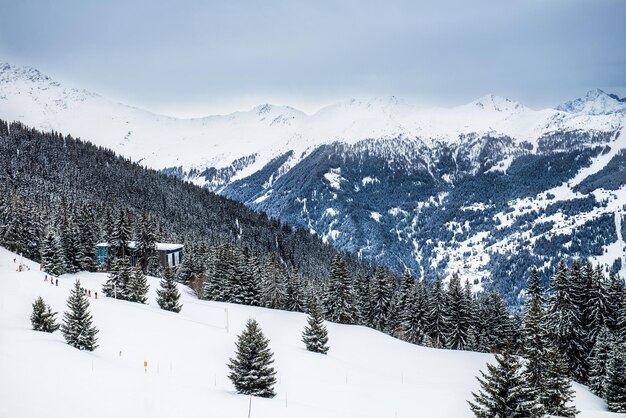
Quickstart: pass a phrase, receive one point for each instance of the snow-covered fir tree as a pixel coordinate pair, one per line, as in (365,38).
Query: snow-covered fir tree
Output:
(415,315)
(457,315)
(137,288)
(119,278)
(251,368)
(564,325)
(315,335)
(534,330)
(503,391)
(556,392)
(340,304)
(146,239)
(77,327)
(120,236)
(598,359)
(42,318)
(436,313)
(168,296)
(274,287)
(52,259)
(381,295)
(615,381)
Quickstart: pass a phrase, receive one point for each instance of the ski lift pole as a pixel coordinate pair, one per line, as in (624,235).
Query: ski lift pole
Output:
(226,310)
(250,406)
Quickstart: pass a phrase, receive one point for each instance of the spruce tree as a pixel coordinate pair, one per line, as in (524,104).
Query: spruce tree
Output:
(615,382)
(564,324)
(381,291)
(77,325)
(340,306)
(457,315)
(414,317)
(274,289)
(251,371)
(51,254)
(436,314)
(137,289)
(504,393)
(598,360)
(119,278)
(168,296)
(557,394)
(315,335)
(534,331)
(120,236)
(42,318)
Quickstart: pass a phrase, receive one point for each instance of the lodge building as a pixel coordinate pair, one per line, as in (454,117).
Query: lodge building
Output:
(170,255)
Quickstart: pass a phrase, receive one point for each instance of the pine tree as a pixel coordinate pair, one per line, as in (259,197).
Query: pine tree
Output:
(615,382)
(598,360)
(146,242)
(457,315)
(274,291)
(504,393)
(436,314)
(381,295)
(120,236)
(119,277)
(77,325)
(168,296)
(315,335)
(534,331)
(557,394)
(51,254)
(253,276)
(251,371)
(137,289)
(564,324)
(414,317)
(340,305)
(42,318)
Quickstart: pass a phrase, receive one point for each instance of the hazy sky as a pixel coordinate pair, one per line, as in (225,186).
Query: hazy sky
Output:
(190,58)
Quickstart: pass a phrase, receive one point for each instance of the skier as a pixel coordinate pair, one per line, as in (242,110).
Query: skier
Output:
(46,279)
(57,282)
(96,294)
(89,293)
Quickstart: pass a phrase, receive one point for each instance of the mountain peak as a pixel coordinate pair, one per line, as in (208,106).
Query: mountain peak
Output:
(497,103)
(11,73)
(595,102)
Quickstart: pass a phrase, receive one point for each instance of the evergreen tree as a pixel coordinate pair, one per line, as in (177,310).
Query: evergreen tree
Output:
(436,314)
(504,393)
(615,382)
(598,360)
(253,276)
(534,331)
(294,298)
(557,394)
(119,277)
(564,324)
(380,300)
(414,317)
(77,325)
(51,254)
(340,306)
(598,305)
(147,256)
(616,298)
(251,371)
(137,289)
(42,318)
(457,315)
(120,236)
(315,335)
(274,289)
(168,296)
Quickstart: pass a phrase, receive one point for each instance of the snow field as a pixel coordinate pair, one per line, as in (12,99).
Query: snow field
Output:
(365,374)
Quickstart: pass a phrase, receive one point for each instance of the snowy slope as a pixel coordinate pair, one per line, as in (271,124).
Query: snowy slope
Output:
(365,374)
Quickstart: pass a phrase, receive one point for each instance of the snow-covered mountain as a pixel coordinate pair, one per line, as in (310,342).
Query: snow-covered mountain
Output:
(486,188)
(596,102)
(366,374)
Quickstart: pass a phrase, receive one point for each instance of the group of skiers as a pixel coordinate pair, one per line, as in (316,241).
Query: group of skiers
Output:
(52,280)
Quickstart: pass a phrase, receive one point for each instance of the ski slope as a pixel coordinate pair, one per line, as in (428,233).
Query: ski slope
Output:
(365,375)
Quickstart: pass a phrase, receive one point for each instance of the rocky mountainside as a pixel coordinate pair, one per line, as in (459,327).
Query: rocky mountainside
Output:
(486,188)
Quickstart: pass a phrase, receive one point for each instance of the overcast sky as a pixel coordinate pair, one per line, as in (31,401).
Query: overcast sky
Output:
(190,58)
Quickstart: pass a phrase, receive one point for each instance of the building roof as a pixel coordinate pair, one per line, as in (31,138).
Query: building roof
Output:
(160,246)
